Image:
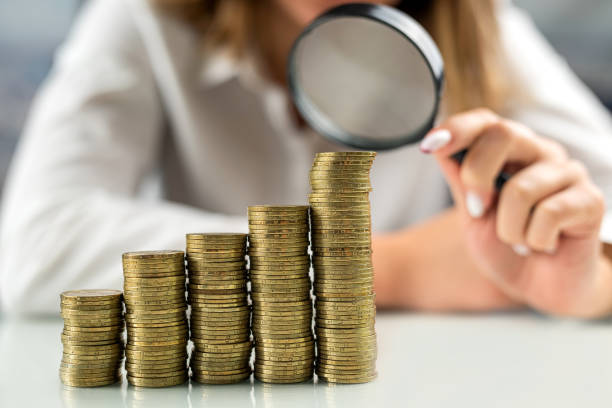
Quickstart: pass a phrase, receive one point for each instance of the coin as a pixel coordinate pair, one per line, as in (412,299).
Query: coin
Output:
(276,249)
(157,330)
(341,247)
(220,314)
(92,337)
(157,382)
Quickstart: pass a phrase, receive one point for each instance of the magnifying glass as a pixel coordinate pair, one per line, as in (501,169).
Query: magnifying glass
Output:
(368,76)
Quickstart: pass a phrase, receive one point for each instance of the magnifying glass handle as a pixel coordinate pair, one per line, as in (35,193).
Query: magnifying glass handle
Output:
(501,177)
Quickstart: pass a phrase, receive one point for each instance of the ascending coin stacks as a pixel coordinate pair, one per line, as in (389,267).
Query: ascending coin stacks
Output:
(280,291)
(342,263)
(154,292)
(92,337)
(220,314)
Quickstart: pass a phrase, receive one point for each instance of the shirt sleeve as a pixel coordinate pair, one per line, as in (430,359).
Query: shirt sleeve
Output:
(71,205)
(549,98)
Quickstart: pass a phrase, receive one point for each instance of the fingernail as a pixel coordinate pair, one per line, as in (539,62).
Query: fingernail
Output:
(551,251)
(474,204)
(435,140)
(521,250)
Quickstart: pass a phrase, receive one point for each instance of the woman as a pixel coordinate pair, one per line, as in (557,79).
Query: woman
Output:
(136,100)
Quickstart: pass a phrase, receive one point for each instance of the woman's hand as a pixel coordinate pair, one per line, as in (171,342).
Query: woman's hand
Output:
(537,239)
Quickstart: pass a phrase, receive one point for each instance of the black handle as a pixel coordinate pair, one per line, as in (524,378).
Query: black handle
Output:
(501,177)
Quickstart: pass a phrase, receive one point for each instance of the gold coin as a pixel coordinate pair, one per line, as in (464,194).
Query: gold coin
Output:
(134,352)
(224,348)
(91,314)
(279,297)
(211,254)
(148,319)
(238,365)
(153,314)
(218,332)
(220,379)
(299,264)
(90,295)
(269,216)
(93,331)
(92,308)
(284,306)
(85,341)
(229,355)
(274,380)
(211,285)
(275,236)
(285,359)
(217,236)
(217,265)
(92,322)
(162,373)
(324,353)
(206,311)
(343,379)
(279,260)
(158,382)
(81,383)
(93,350)
(163,254)
(274,208)
(174,367)
(258,227)
(300,353)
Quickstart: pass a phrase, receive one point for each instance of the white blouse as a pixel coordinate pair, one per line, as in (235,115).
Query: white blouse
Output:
(132,102)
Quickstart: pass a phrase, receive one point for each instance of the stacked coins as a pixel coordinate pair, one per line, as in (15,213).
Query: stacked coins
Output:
(342,262)
(154,292)
(216,266)
(93,346)
(280,290)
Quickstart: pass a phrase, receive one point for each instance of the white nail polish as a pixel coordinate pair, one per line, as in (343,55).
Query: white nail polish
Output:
(474,205)
(521,250)
(435,140)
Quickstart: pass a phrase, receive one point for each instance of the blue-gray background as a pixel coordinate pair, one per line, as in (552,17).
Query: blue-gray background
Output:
(30,31)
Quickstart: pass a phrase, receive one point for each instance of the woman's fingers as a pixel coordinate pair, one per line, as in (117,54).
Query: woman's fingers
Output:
(576,212)
(526,189)
(497,145)
(457,132)
(492,144)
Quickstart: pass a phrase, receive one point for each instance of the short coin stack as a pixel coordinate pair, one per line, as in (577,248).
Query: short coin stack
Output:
(220,331)
(342,261)
(93,346)
(280,290)
(154,291)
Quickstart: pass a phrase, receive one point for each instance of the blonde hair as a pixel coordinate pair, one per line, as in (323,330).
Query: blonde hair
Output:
(466,31)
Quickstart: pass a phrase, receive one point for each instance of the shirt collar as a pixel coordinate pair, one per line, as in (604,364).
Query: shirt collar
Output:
(219,67)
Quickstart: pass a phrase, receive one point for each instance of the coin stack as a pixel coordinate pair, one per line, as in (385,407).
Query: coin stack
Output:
(220,314)
(154,291)
(342,262)
(92,337)
(280,290)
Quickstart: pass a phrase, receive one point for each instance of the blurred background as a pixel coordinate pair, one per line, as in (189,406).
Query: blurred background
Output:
(31,30)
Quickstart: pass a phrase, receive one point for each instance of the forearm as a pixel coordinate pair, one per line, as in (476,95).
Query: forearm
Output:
(78,243)
(427,267)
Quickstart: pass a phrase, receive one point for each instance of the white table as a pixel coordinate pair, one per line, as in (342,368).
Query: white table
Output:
(424,361)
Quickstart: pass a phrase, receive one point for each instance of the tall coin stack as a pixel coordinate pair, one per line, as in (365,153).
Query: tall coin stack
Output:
(220,331)
(280,290)
(342,262)
(154,292)
(93,346)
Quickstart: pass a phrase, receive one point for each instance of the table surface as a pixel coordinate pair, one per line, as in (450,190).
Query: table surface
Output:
(500,360)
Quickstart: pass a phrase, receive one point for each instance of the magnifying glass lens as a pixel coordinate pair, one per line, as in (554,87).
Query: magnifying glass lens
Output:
(358,77)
